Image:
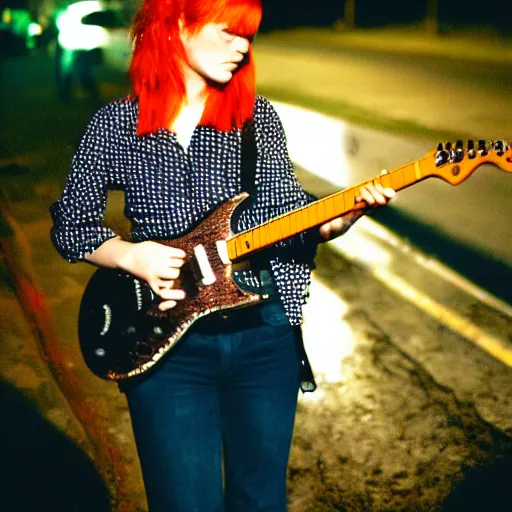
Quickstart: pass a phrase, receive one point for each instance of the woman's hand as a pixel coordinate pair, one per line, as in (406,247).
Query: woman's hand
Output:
(159,265)
(372,195)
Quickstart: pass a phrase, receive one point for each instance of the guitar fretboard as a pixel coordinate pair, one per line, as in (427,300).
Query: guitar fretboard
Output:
(319,212)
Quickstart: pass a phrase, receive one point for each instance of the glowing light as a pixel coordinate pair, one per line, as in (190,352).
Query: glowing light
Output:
(315,142)
(73,35)
(34,29)
(328,339)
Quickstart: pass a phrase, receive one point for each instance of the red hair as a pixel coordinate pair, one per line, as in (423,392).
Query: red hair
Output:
(156,68)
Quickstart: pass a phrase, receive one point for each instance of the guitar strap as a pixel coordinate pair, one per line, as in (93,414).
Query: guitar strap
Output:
(249,157)
(248,178)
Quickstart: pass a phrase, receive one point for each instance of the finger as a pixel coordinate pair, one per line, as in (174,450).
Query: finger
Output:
(176,262)
(168,304)
(167,273)
(174,252)
(337,224)
(325,230)
(172,294)
(387,192)
(378,194)
(366,195)
(165,284)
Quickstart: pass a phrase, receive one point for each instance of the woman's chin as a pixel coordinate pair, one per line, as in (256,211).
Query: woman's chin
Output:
(221,77)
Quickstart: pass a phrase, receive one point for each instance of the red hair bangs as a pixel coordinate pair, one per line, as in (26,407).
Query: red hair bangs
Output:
(242,17)
(156,69)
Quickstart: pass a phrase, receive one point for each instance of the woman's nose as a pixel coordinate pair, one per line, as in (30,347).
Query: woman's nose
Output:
(241,44)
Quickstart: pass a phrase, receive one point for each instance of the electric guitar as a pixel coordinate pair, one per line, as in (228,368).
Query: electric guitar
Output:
(122,333)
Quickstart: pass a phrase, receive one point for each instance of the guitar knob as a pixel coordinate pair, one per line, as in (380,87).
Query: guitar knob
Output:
(155,332)
(143,350)
(158,331)
(482,149)
(499,147)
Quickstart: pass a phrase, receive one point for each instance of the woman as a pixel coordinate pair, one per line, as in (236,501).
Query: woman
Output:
(213,424)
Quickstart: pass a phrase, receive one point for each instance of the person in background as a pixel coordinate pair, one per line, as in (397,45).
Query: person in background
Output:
(77,54)
(213,423)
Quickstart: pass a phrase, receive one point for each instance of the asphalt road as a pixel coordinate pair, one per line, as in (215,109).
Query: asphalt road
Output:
(410,414)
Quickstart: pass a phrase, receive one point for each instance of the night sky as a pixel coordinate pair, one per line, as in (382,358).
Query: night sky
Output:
(287,13)
(374,13)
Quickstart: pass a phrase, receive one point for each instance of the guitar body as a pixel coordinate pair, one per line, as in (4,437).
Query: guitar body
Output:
(122,332)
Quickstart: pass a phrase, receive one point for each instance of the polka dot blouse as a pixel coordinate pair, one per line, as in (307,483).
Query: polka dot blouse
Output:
(169,189)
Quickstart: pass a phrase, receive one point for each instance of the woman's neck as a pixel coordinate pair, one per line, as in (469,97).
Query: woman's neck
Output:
(192,107)
(195,89)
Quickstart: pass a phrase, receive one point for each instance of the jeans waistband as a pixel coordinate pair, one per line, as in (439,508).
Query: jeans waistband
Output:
(230,320)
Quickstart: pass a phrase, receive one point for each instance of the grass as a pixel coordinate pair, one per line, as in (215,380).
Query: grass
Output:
(477,44)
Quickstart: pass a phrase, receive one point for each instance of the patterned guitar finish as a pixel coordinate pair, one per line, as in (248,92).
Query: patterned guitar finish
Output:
(123,333)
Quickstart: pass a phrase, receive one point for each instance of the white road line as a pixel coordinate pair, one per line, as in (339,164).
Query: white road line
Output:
(378,263)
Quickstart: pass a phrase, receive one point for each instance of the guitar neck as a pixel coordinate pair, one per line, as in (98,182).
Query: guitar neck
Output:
(320,212)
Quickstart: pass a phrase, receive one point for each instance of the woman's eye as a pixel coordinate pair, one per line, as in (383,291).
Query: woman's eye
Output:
(228,35)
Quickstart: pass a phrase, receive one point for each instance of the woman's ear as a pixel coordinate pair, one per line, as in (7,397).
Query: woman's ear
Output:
(182,30)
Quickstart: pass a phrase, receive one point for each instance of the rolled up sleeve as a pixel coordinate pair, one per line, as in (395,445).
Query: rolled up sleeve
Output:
(78,215)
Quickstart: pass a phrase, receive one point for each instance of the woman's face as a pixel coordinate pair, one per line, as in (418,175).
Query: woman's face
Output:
(214,53)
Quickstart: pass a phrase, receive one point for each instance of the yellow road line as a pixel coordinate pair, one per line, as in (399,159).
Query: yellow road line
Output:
(446,316)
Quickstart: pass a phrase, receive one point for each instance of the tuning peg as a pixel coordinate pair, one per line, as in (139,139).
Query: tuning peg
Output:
(482,149)
(499,147)
(458,155)
(442,157)
(471,149)
(451,152)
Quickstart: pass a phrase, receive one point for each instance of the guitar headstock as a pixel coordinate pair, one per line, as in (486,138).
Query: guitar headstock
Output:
(455,162)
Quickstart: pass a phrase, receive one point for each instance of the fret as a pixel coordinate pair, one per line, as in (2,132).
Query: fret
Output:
(385,180)
(329,207)
(397,179)
(341,203)
(264,236)
(313,214)
(256,237)
(350,199)
(408,174)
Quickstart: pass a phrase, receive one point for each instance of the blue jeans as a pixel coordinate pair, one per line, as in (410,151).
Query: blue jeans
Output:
(224,399)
